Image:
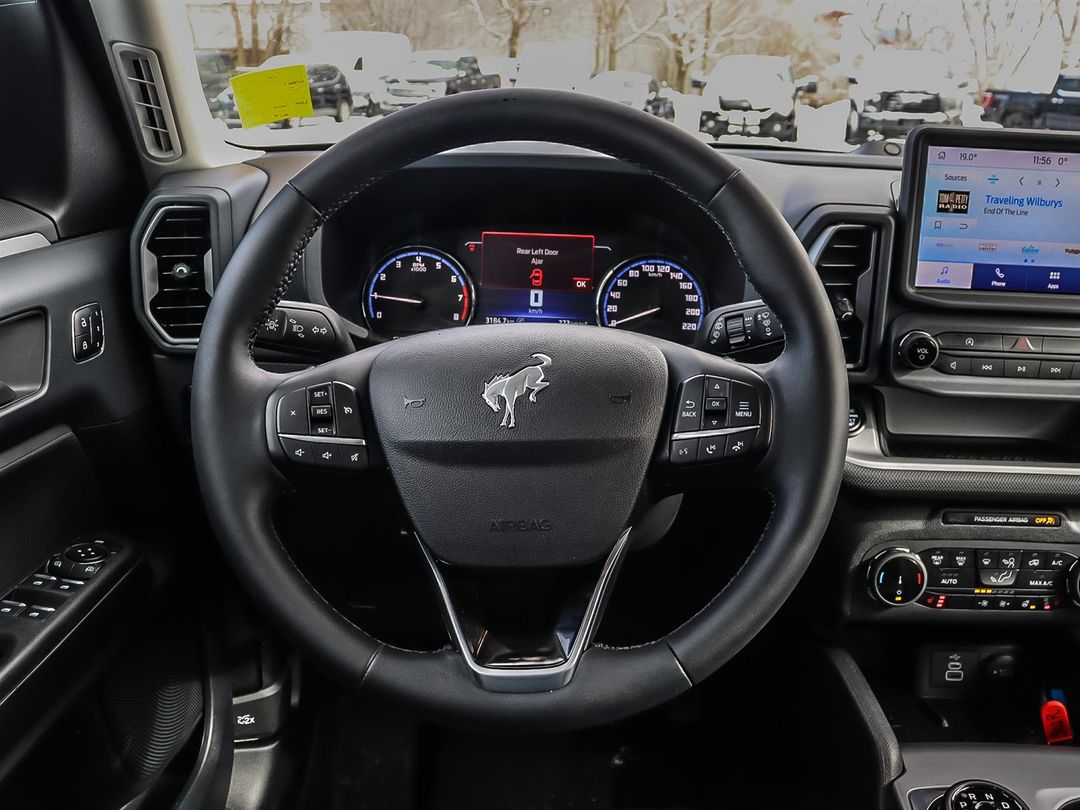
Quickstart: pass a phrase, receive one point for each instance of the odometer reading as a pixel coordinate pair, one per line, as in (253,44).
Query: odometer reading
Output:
(653,295)
(417,289)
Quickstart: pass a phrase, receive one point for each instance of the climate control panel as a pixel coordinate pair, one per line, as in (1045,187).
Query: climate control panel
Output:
(954,578)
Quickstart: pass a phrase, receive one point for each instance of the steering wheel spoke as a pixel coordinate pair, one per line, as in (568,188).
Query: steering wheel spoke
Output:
(503,654)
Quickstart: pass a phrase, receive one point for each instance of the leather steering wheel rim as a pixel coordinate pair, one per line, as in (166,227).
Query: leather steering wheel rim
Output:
(802,468)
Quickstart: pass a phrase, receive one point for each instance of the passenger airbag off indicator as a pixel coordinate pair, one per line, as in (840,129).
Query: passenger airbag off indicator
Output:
(1036,520)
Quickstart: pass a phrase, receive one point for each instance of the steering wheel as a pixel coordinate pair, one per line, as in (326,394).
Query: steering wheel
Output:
(586,421)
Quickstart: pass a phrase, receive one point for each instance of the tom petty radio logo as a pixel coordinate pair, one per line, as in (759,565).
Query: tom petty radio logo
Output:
(953,202)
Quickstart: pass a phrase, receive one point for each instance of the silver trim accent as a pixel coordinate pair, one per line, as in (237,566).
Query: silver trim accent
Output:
(14,245)
(148,268)
(865,450)
(708,434)
(323,439)
(823,238)
(533,679)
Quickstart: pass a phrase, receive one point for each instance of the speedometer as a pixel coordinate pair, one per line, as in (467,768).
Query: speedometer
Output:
(654,295)
(417,289)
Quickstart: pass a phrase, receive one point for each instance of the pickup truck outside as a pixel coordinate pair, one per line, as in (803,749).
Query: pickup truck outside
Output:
(895,91)
(1058,109)
(753,95)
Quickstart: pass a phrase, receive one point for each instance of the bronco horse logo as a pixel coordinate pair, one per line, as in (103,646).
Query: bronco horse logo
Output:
(528,380)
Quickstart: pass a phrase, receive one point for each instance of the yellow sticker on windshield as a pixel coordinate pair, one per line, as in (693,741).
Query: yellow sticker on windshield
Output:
(265,96)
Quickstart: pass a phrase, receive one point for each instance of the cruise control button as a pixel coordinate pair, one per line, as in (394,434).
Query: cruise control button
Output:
(688,415)
(711,449)
(293,413)
(684,451)
(739,443)
(323,429)
(347,412)
(998,577)
(745,405)
(953,365)
(298,451)
(322,412)
(319,394)
(351,456)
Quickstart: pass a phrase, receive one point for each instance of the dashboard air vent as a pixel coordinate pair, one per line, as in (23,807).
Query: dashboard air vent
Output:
(844,255)
(144,85)
(177,270)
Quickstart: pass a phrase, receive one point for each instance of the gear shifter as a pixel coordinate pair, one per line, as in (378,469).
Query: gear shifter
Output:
(975,794)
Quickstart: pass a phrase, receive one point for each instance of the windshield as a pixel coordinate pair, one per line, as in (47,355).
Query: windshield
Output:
(802,73)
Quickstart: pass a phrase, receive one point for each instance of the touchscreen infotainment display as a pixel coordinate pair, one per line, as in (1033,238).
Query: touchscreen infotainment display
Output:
(999,220)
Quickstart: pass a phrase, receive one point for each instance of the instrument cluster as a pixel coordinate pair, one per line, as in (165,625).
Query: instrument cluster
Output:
(437,247)
(528,277)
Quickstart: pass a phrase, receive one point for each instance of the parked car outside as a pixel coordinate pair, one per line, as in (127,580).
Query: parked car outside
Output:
(330,93)
(635,89)
(1058,109)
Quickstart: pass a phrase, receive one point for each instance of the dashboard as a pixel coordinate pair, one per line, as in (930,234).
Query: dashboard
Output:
(964,386)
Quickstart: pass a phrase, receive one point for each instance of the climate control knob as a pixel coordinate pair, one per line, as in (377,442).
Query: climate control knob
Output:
(897,577)
(1072,582)
(917,349)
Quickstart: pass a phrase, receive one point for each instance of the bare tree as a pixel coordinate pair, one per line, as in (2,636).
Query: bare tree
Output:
(505,20)
(1001,34)
(694,31)
(252,48)
(413,19)
(1067,15)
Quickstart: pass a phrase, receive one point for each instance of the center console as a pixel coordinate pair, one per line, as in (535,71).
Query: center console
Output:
(991,267)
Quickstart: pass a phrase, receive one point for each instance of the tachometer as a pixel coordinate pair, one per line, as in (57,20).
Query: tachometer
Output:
(654,295)
(417,289)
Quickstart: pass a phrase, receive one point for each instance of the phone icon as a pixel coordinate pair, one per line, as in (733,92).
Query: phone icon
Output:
(998,273)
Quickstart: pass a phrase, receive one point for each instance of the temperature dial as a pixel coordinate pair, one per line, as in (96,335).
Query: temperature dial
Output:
(897,577)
